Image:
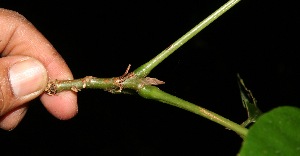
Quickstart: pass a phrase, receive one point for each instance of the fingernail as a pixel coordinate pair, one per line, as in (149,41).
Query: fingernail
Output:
(27,76)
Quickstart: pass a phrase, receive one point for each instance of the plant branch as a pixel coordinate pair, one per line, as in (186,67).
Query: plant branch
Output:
(114,85)
(146,68)
(138,82)
(144,87)
(154,93)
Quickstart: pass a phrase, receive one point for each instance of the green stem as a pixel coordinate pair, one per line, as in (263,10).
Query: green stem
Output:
(146,68)
(154,93)
(57,86)
(143,86)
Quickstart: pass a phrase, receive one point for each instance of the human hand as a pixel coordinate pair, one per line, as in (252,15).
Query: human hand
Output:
(27,61)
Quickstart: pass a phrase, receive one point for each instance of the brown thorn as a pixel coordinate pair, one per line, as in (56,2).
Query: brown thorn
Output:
(118,81)
(126,72)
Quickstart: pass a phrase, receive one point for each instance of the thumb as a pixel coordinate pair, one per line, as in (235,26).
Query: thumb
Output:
(22,79)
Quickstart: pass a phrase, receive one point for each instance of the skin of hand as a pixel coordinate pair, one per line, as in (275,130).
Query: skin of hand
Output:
(27,62)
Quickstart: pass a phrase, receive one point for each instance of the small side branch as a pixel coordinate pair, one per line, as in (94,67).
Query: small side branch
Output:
(154,93)
(146,68)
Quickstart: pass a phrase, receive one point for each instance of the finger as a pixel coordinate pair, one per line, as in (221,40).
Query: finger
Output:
(61,105)
(12,119)
(22,79)
(20,37)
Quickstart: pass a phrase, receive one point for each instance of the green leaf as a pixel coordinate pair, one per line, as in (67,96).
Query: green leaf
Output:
(275,133)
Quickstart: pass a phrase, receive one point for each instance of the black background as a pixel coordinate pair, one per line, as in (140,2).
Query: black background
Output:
(258,39)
